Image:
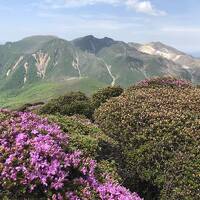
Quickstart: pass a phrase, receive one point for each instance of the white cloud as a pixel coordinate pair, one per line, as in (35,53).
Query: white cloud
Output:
(139,6)
(75,3)
(144,7)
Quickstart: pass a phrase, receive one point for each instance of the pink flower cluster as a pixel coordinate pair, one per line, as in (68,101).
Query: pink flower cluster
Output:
(164,81)
(34,154)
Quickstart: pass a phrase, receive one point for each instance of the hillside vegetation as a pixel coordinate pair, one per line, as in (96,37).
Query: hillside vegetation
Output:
(156,124)
(145,138)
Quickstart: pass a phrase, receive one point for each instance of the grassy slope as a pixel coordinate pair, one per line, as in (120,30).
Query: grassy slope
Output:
(45,91)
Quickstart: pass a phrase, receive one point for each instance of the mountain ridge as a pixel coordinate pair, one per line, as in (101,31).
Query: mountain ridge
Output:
(42,60)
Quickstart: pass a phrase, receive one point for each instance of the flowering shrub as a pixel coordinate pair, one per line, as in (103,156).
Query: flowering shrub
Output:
(158,129)
(164,81)
(35,163)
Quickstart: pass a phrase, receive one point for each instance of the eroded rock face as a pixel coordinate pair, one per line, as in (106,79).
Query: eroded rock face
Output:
(26,65)
(76,65)
(17,63)
(42,61)
(164,52)
(8,72)
(159,49)
(110,73)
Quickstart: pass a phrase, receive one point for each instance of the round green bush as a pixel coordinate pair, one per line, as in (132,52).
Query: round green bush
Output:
(69,104)
(87,137)
(105,94)
(158,129)
(83,134)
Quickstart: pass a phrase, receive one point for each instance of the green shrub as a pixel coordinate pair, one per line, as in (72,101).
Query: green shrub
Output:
(158,129)
(83,136)
(105,94)
(90,139)
(69,104)
(4,115)
(30,107)
(184,184)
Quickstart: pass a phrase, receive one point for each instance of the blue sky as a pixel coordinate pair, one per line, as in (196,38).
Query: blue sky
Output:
(174,22)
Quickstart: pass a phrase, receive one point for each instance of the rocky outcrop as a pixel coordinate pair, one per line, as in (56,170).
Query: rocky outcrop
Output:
(17,63)
(76,65)
(26,65)
(111,75)
(42,61)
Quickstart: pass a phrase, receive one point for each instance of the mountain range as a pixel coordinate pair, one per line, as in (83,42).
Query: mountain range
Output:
(38,68)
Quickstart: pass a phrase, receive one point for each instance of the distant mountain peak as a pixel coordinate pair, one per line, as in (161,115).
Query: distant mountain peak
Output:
(89,37)
(92,37)
(92,44)
(39,37)
(160,49)
(161,46)
(157,43)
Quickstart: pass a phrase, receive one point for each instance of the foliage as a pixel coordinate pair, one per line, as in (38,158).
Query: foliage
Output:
(166,81)
(36,163)
(83,134)
(104,94)
(182,175)
(87,137)
(158,128)
(30,106)
(78,103)
(69,104)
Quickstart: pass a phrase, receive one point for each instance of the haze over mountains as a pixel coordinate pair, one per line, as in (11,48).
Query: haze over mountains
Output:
(40,67)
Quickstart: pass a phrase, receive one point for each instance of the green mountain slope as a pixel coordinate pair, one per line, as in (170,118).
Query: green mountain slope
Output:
(129,65)
(40,67)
